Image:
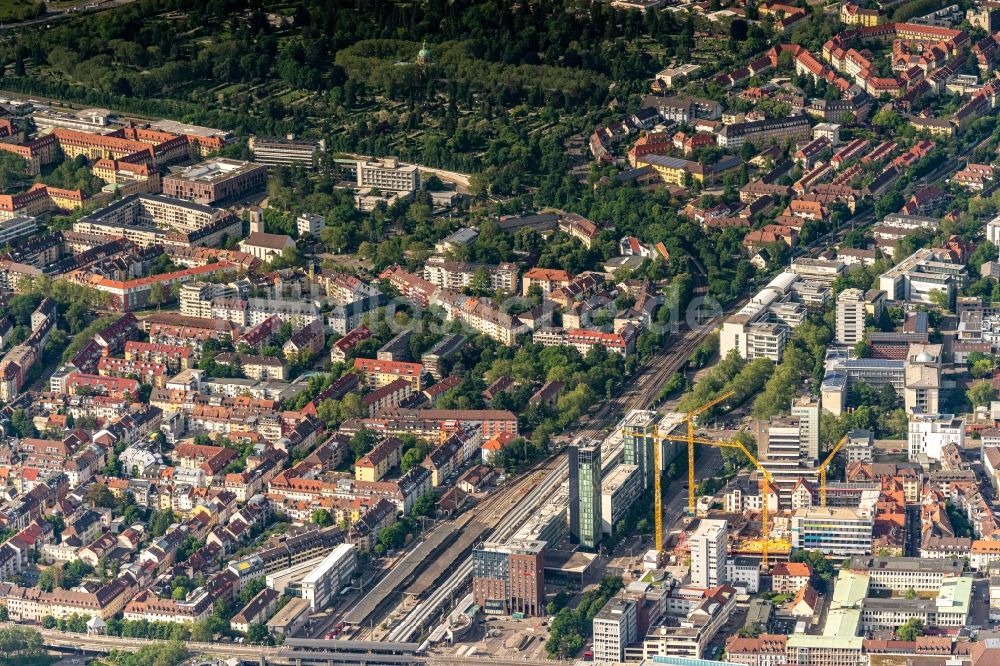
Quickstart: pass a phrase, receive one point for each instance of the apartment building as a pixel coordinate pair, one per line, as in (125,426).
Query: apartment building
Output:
(391,396)
(509,578)
(309,224)
(173,357)
(412,287)
(376,463)
(256,367)
(790,577)
(388,174)
(128,295)
(430,423)
(378,373)
(621,342)
(709,549)
(481,315)
(837,531)
(763,132)
(457,275)
(148,372)
(286,151)
(546,279)
(850,317)
(216,180)
(444,350)
(614,627)
(15,227)
(929,434)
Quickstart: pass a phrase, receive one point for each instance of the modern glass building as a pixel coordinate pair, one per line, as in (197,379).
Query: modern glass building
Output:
(585,492)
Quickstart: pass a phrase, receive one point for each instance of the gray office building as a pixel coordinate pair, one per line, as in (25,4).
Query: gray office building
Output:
(637,439)
(585,492)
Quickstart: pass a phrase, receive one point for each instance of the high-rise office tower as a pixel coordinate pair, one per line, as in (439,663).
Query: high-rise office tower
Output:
(585,492)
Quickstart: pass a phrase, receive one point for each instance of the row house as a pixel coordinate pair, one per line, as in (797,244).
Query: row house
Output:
(366,530)
(173,357)
(431,423)
(390,396)
(345,345)
(620,342)
(148,372)
(306,342)
(411,287)
(33,604)
(852,151)
(377,374)
(192,332)
(481,315)
(452,454)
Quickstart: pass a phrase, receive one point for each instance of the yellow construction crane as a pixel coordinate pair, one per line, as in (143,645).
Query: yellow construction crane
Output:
(768,480)
(822,469)
(691,416)
(657,486)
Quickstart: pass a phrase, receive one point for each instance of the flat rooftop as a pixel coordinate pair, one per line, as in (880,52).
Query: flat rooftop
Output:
(190,130)
(214,170)
(952,566)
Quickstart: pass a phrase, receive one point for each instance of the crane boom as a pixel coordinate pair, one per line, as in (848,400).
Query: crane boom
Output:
(823,467)
(690,433)
(711,403)
(765,486)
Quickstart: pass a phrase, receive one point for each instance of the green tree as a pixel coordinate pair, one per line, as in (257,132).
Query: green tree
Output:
(981,394)
(911,629)
(100,495)
(257,633)
(322,518)
(20,642)
(48,580)
(13,172)
(940,299)
(425,505)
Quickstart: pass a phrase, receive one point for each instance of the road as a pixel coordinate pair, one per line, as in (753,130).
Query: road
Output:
(57,13)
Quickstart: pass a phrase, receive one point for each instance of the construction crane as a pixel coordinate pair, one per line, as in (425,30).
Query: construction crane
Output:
(822,469)
(657,484)
(768,480)
(691,416)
